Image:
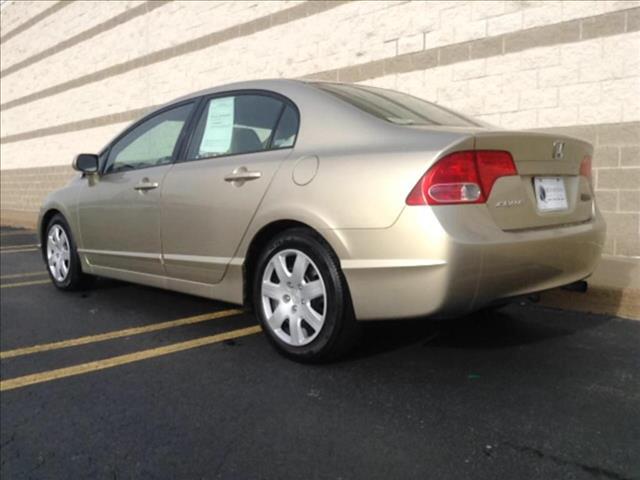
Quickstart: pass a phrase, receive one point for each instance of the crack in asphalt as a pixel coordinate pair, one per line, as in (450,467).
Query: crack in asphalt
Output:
(10,440)
(41,461)
(591,469)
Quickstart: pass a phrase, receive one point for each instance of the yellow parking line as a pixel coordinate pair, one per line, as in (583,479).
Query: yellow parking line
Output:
(20,275)
(74,342)
(25,284)
(18,251)
(16,247)
(35,378)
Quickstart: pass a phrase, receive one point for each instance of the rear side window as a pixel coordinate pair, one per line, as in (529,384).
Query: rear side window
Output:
(237,124)
(396,107)
(285,135)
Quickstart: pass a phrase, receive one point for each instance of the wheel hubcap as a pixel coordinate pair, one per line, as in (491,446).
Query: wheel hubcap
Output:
(58,253)
(294,298)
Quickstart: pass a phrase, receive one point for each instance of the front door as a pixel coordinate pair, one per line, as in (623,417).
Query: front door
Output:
(209,198)
(119,211)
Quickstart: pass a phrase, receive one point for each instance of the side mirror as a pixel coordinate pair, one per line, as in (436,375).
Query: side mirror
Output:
(86,163)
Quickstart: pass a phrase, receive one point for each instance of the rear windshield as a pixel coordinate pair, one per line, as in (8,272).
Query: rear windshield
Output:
(396,107)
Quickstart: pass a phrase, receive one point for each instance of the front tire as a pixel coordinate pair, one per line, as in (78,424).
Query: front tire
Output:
(61,256)
(301,298)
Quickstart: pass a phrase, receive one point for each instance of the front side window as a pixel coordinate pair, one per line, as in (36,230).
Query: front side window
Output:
(238,124)
(151,143)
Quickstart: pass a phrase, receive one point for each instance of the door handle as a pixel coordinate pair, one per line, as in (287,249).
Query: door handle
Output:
(145,185)
(241,175)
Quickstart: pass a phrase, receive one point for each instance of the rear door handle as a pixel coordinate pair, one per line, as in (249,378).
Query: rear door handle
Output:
(145,185)
(241,175)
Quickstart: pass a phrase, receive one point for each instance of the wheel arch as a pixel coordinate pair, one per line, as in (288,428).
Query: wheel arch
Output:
(46,214)
(44,222)
(261,238)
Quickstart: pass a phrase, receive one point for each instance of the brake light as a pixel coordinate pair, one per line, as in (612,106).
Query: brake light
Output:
(585,168)
(462,177)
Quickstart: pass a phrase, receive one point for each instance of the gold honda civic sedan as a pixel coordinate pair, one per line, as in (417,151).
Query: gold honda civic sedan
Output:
(319,205)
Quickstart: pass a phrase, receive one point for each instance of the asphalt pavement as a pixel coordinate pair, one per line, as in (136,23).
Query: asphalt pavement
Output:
(125,381)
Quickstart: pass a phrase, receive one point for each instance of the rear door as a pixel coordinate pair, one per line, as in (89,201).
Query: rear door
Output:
(549,189)
(212,192)
(119,211)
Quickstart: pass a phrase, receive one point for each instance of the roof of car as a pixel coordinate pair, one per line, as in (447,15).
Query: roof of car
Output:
(263,84)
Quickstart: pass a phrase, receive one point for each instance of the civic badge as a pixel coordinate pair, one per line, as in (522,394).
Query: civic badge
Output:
(558,150)
(510,203)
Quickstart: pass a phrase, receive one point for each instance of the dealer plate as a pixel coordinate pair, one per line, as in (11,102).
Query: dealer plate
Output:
(551,194)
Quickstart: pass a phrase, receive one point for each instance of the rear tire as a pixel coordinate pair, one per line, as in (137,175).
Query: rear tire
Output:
(61,257)
(301,298)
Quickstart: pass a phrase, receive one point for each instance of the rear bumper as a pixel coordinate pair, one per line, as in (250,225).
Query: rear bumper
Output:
(448,261)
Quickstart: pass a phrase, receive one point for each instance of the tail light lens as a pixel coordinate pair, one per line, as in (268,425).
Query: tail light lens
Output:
(585,168)
(462,177)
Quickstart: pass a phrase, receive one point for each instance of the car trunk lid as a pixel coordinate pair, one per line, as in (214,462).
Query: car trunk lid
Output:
(548,190)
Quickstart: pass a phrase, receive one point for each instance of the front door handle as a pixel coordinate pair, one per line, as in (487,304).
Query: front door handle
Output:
(241,175)
(145,185)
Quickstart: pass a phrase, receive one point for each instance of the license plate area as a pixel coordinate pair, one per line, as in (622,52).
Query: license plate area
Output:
(551,194)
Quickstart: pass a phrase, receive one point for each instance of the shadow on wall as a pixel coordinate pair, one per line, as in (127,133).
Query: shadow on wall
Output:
(614,288)
(22,192)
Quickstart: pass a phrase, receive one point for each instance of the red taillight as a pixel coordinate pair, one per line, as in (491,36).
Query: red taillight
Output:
(462,177)
(585,168)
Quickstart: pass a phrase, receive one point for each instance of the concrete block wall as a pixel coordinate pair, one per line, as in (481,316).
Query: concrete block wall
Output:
(73,74)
